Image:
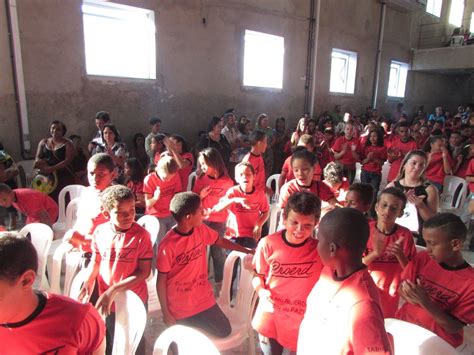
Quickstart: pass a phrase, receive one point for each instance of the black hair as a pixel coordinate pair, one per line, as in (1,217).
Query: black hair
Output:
(396,192)
(63,126)
(245,164)
(279,119)
(305,203)
(404,124)
(450,224)
(115,194)
(102,115)
(256,136)
(154,120)
(17,255)
(379,134)
(113,129)
(102,159)
(135,138)
(5,188)
(347,228)
(364,191)
(214,122)
(184,203)
(304,154)
(136,168)
(333,173)
(180,139)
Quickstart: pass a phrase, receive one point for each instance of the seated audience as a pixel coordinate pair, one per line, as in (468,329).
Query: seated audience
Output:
(360,197)
(155,124)
(101,119)
(178,149)
(335,180)
(134,176)
(345,149)
(440,162)
(258,146)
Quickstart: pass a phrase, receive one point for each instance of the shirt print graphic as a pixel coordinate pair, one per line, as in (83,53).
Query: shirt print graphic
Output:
(293,270)
(189,255)
(437,292)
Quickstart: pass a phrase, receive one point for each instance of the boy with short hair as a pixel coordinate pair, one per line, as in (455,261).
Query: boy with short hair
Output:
(389,249)
(438,284)
(122,255)
(185,294)
(100,173)
(101,119)
(159,188)
(343,314)
(287,266)
(398,147)
(345,150)
(247,205)
(258,142)
(36,206)
(360,196)
(36,322)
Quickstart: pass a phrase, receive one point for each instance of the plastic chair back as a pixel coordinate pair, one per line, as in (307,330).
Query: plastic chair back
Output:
(411,339)
(454,194)
(357,173)
(71,213)
(152,225)
(272,183)
(25,169)
(274,218)
(409,219)
(76,285)
(74,191)
(41,237)
(189,341)
(383,181)
(191,181)
(130,322)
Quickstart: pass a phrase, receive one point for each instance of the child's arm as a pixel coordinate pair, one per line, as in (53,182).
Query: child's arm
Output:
(339,155)
(226,202)
(378,245)
(259,287)
(161,290)
(44,218)
(151,200)
(415,294)
(88,286)
(227,244)
(257,230)
(396,249)
(446,161)
(104,303)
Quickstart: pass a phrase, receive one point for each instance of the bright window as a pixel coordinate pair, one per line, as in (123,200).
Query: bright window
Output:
(263,60)
(456,12)
(434,7)
(398,79)
(119,40)
(343,71)
(471,26)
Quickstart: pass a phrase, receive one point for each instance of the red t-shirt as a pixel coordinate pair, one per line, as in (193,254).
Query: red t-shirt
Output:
(290,272)
(186,171)
(386,270)
(318,188)
(259,167)
(470,173)
(246,217)
(183,258)
(452,290)
(435,169)
(218,188)
(168,189)
(31,202)
(374,166)
(119,253)
(347,158)
(289,175)
(136,187)
(61,326)
(401,149)
(341,192)
(343,316)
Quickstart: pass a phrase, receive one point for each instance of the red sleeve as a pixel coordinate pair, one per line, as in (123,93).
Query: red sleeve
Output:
(368,335)
(148,185)
(95,248)
(264,206)
(409,248)
(164,259)
(410,272)
(325,192)
(259,261)
(286,166)
(210,236)
(198,185)
(145,249)
(464,310)
(284,195)
(91,332)
(337,145)
(177,184)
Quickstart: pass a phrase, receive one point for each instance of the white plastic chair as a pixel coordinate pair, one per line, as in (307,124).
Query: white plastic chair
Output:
(383,181)
(191,181)
(41,236)
(274,218)
(420,248)
(189,341)
(130,322)
(74,191)
(152,225)
(25,168)
(76,285)
(240,315)
(454,194)
(411,339)
(273,180)
(357,173)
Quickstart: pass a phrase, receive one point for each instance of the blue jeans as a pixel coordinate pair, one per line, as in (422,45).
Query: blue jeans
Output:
(212,321)
(217,253)
(373,179)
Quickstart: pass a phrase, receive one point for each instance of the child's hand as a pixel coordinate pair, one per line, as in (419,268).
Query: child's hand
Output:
(205,191)
(395,248)
(104,303)
(86,292)
(206,212)
(157,193)
(414,199)
(76,240)
(265,294)
(257,231)
(413,293)
(168,319)
(344,148)
(378,244)
(242,201)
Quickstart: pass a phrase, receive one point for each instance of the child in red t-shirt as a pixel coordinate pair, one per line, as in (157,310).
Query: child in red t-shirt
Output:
(122,256)
(35,322)
(438,285)
(178,149)
(212,185)
(183,288)
(287,266)
(247,205)
(397,148)
(35,205)
(100,173)
(335,180)
(345,149)
(440,162)
(302,163)
(343,314)
(360,196)
(373,156)
(258,143)
(389,249)
(134,175)
(159,188)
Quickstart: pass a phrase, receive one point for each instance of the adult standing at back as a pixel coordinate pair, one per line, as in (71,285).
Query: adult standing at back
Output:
(101,119)
(155,124)
(438,116)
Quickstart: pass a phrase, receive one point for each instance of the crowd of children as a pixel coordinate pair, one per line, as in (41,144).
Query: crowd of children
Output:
(319,292)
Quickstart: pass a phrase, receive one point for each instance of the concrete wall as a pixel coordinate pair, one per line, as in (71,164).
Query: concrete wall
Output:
(199,66)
